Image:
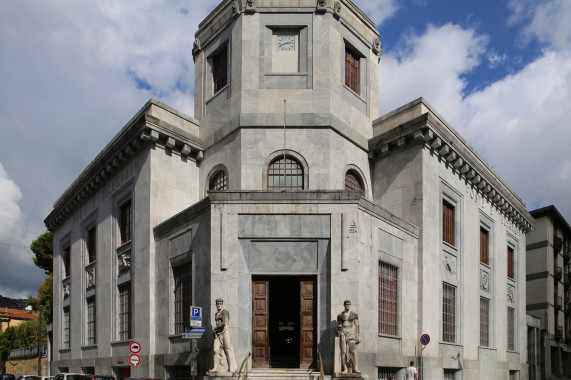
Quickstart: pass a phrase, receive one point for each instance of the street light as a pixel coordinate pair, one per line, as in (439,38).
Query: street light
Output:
(29,310)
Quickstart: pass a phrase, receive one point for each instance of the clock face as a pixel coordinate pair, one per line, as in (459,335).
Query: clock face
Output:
(286,42)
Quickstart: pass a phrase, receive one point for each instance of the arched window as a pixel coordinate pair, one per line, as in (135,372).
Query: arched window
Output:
(285,175)
(218,181)
(353,181)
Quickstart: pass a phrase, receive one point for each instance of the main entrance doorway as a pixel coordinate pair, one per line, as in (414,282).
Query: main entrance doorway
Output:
(283,322)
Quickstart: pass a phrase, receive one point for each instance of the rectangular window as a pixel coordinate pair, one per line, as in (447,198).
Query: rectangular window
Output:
(511,329)
(387,299)
(182,296)
(220,69)
(448,313)
(125,222)
(484,322)
(180,373)
(448,223)
(449,374)
(124,312)
(91,322)
(484,257)
(351,70)
(385,372)
(92,244)
(510,263)
(67,260)
(65,328)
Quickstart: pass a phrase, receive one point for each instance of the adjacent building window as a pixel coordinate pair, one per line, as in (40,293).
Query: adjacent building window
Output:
(219,181)
(125,221)
(65,328)
(484,240)
(285,174)
(448,313)
(125,312)
(353,181)
(448,222)
(182,296)
(511,329)
(91,321)
(484,322)
(351,70)
(388,301)
(220,69)
(92,244)
(67,260)
(511,263)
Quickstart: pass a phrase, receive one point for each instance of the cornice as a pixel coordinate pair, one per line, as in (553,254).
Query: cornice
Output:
(143,131)
(443,141)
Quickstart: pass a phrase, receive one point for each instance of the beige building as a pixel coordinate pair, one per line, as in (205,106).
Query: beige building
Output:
(285,195)
(549,289)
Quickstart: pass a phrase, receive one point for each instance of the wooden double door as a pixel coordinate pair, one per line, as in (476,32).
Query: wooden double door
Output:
(283,322)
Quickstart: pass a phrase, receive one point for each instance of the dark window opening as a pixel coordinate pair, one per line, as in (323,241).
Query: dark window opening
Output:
(220,69)
(448,223)
(285,175)
(353,181)
(352,70)
(219,181)
(125,222)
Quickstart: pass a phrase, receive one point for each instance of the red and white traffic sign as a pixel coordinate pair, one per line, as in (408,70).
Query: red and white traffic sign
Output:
(134,359)
(135,347)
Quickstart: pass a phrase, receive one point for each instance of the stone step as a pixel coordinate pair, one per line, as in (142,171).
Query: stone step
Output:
(284,374)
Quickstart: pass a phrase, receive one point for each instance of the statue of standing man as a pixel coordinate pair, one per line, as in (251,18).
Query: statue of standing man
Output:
(348,332)
(223,352)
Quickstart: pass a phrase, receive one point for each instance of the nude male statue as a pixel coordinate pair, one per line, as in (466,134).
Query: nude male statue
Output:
(222,345)
(348,332)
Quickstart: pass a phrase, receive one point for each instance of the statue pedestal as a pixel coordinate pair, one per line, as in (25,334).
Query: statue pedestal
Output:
(352,376)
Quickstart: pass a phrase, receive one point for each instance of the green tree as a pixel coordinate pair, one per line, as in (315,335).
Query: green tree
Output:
(43,248)
(45,299)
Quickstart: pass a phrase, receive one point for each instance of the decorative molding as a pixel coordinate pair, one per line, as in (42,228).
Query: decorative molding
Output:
(66,289)
(250,6)
(337,10)
(424,131)
(377,48)
(484,280)
(90,278)
(511,294)
(124,261)
(196,48)
(236,10)
(321,6)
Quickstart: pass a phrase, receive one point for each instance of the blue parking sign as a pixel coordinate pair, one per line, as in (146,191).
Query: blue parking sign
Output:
(195,316)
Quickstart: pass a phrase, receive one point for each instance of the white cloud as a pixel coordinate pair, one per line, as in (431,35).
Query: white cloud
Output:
(378,10)
(519,124)
(430,65)
(21,277)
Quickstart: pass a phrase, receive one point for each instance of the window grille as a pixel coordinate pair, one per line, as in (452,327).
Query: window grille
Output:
(449,374)
(218,181)
(286,175)
(388,302)
(511,329)
(448,223)
(449,313)
(182,296)
(385,372)
(179,373)
(351,70)
(124,312)
(66,324)
(353,181)
(484,322)
(91,321)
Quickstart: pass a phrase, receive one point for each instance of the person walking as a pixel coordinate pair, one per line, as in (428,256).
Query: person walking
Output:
(411,373)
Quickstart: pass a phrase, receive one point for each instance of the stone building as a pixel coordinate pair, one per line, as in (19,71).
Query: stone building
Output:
(286,195)
(549,289)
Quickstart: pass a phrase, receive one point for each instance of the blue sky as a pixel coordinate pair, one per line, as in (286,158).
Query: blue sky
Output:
(73,73)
